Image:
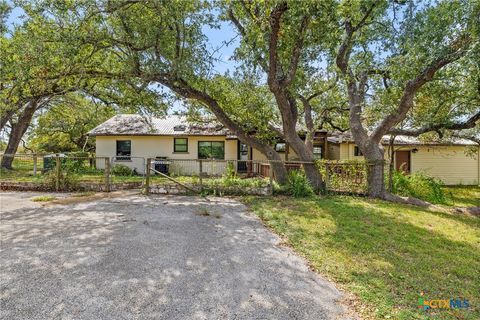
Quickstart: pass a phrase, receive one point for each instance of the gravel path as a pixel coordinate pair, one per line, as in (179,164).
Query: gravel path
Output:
(134,257)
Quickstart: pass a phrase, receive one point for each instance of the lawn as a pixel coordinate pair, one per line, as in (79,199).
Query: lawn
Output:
(463,196)
(385,254)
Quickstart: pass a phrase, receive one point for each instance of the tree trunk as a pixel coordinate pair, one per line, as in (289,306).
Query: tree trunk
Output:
(305,154)
(391,155)
(276,164)
(375,171)
(16,134)
(288,110)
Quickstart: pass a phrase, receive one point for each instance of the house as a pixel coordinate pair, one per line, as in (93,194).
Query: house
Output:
(130,139)
(454,162)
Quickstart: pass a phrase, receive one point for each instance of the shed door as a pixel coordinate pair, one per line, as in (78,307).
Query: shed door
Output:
(402,161)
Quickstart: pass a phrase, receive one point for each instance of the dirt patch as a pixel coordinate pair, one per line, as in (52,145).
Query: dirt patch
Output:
(91,197)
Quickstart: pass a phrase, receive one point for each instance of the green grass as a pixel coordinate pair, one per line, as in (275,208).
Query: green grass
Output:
(463,196)
(385,254)
(43,198)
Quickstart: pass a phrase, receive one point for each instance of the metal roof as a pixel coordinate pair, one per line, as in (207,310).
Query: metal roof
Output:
(138,125)
(175,125)
(403,140)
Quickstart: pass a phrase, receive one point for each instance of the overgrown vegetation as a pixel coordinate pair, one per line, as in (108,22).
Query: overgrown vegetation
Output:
(384,253)
(346,176)
(298,185)
(43,198)
(121,170)
(419,185)
(67,180)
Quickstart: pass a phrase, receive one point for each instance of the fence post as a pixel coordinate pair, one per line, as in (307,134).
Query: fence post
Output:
(147,178)
(270,175)
(57,172)
(327,177)
(34,164)
(200,174)
(107,174)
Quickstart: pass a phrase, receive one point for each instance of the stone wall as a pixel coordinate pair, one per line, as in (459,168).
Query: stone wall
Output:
(154,189)
(177,189)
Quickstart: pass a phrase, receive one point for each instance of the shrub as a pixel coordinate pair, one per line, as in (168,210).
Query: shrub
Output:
(75,161)
(418,185)
(67,180)
(298,184)
(233,186)
(121,170)
(230,171)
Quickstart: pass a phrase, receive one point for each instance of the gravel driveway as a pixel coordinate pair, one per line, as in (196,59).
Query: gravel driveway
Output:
(133,257)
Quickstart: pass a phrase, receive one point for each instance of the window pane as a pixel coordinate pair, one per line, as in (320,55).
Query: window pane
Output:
(357,152)
(218,150)
(317,152)
(180,148)
(124,148)
(280,147)
(211,150)
(181,145)
(204,149)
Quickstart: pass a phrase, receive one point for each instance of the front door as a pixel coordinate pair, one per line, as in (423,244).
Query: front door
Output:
(242,155)
(402,161)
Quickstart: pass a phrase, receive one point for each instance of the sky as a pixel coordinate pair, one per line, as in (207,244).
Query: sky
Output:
(221,39)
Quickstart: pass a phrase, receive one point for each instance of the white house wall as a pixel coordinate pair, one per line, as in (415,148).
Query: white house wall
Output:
(451,164)
(448,163)
(144,147)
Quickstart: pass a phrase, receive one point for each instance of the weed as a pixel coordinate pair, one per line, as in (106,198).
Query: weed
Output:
(43,198)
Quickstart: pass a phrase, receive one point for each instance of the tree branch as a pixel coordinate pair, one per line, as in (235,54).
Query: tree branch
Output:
(411,88)
(181,87)
(459,125)
(297,50)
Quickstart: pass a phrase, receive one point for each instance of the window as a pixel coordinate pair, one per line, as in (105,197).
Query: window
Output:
(357,152)
(124,149)
(317,152)
(281,147)
(211,150)
(180,145)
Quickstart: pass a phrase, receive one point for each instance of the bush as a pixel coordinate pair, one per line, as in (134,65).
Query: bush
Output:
(229,171)
(78,162)
(418,185)
(67,181)
(298,184)
(121,170)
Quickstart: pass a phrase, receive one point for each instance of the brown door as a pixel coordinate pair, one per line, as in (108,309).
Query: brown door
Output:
(402,161)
